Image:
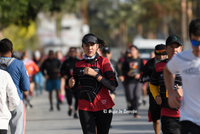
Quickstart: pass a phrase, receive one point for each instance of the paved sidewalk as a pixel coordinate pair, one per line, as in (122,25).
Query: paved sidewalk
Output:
(41,121)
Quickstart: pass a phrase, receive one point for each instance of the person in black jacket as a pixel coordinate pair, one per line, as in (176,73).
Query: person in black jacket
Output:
(169,117)
(50,69)
(96,77)
(66,73)
(154,108)
(106,52)
(132,68)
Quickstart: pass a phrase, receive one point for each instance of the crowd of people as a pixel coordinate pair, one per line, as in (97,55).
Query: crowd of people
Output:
(170,77)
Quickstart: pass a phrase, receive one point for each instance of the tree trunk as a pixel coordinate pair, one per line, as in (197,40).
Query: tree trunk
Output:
(183,21)
(189,12)
(84,11)
(1,35)
(198,9)
(122,34)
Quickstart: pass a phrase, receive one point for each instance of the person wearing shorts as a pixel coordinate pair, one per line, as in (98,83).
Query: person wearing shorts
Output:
(66,73)
(154,108)
(50,69)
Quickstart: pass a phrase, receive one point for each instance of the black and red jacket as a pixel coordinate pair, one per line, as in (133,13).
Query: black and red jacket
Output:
(67,68)
(95,95)
(157,79)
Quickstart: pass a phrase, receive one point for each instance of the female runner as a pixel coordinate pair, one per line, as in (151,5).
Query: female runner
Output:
(96,78)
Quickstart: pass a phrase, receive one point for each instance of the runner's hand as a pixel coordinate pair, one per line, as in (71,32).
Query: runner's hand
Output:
(47,76)
(89,71)
(179,91)
(137,76)
(71,82)
(121,78)
(130,74)
(158,99)
(174,100)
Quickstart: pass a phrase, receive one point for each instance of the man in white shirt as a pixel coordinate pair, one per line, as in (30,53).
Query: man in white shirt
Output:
(9,100)
(187,64)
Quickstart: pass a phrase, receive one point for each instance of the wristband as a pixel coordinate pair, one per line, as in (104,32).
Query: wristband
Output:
(97,75)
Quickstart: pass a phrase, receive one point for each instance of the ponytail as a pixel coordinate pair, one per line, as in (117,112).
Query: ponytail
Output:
(101,42)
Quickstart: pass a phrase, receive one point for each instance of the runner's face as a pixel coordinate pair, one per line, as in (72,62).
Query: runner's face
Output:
(134,52)
(196,50)
(72,53)
(173,49)
(51,55)
(161,57)
(90,49)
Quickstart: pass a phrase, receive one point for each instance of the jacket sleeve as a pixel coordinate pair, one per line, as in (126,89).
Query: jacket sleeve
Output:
(125,68)
(117,70)
(146,73)
(62,69)
(109,80)
(24,80)
(75,75)
(12,95)
(42,68)
(36,68)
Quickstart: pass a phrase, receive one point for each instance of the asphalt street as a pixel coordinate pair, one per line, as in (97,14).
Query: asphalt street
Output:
(39,120)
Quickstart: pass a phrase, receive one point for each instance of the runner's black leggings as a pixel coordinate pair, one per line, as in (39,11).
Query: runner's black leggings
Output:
(69,95)
(133,92)
(93,122)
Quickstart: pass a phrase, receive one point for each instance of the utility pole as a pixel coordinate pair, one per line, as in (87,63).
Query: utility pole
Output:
(183,21)
(198,9)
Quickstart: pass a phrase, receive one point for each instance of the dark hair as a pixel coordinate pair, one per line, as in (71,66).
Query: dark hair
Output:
(194,27)
(134,46)
(72,48)
(101,42)
(51,51)
(5,45)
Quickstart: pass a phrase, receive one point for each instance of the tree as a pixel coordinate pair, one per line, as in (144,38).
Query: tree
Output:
(18,18)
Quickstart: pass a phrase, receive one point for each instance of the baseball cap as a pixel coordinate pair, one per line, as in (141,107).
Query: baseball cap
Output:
(16,54)
(106,50)
(173,38)
(37,54)
(90,38)
(160,49)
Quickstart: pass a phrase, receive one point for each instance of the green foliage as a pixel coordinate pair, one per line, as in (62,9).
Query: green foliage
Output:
(21,36)
(22,11)
(108,20)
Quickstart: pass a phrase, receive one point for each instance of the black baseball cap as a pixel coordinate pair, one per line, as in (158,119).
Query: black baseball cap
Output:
(106,50)
(173,38)
(160,49)
(90,38)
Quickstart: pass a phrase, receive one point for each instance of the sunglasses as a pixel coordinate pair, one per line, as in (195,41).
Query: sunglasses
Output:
(160,51)
(195,43)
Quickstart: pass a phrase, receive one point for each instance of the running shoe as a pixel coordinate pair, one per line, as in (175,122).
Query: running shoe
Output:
(70,112)
(75,116)
(58,107)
